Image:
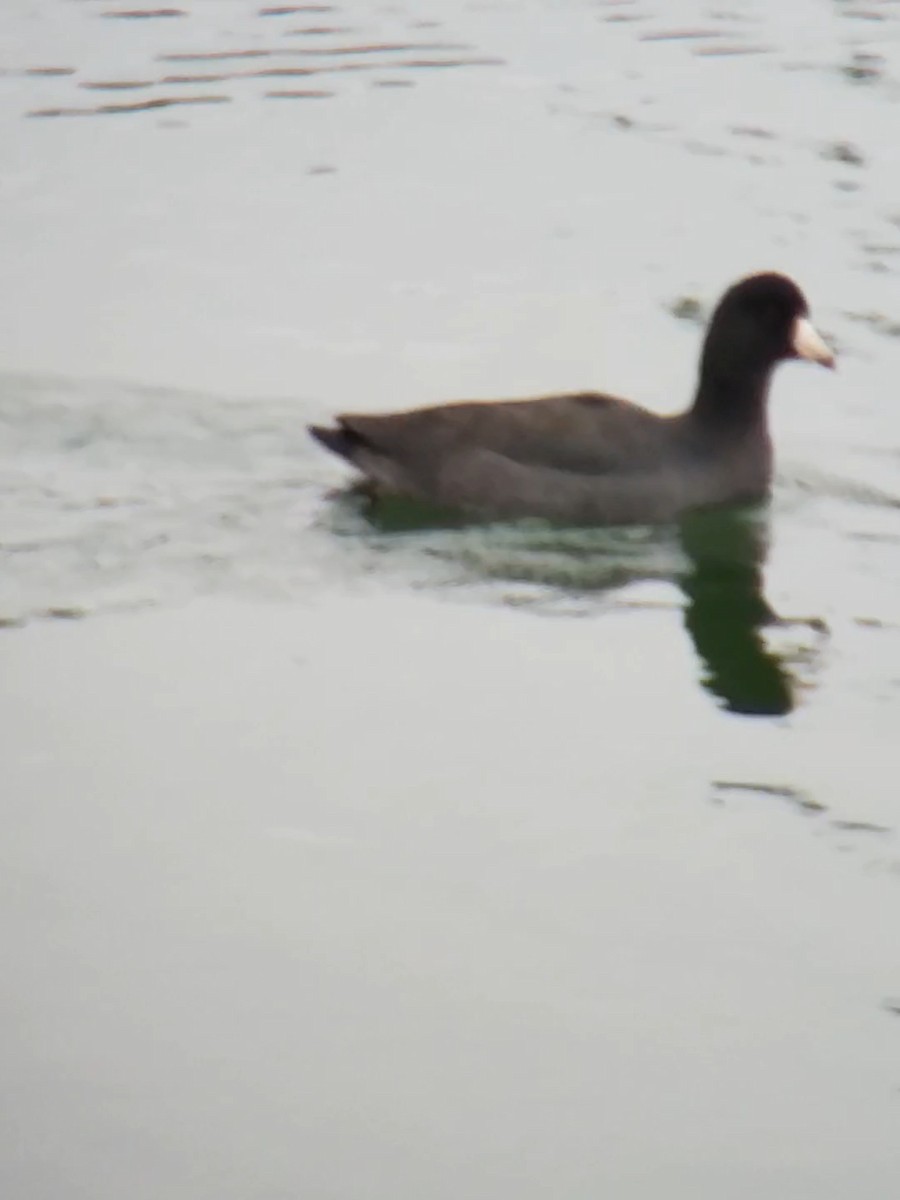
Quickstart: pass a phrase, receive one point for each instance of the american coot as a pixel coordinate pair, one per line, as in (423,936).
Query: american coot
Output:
(592,458)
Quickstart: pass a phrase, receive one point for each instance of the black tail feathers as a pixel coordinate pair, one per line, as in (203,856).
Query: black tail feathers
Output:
(337,439)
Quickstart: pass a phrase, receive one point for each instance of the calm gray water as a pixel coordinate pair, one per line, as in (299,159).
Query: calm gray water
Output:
(350,856)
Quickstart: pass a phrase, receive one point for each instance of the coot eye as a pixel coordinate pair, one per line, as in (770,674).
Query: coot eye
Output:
(770,313)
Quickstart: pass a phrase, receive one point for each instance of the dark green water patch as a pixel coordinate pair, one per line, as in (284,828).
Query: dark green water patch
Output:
(141,14)
(138,106)
(781,791)
(844,152)
(286,10)
(48,72)
(212,55)
(319,31)
(186,80)
(681,35)
(116,85)
(299,94)
(276,72)
(385,48)
(860,827)
(752,131)
(730,51)
(863,68)
(688,308)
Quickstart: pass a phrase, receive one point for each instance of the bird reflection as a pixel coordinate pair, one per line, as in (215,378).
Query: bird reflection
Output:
(726,612)
(719,571)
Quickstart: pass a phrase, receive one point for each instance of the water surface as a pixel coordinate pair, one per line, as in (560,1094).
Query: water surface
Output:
(355,854)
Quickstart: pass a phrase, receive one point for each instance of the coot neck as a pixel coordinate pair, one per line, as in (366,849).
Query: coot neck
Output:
(731,395)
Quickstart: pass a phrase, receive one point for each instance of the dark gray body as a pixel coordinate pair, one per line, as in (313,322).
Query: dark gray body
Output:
(586,458)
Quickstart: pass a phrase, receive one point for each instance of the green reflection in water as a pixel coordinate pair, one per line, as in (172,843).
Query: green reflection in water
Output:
(715,557)
(726,612)
(399,514)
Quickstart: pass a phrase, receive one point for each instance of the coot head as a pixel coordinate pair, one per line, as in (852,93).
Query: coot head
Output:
(761,321)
